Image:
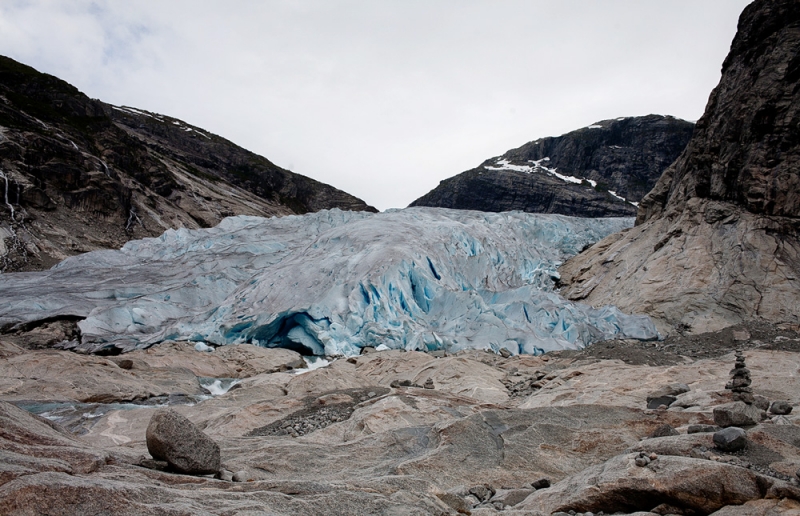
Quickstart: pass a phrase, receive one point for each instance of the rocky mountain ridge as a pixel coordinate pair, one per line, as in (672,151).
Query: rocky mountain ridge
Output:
(79,174)
(718,237)
(602,170)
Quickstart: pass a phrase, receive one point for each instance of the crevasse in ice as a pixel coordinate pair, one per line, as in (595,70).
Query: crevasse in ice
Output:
(332,282)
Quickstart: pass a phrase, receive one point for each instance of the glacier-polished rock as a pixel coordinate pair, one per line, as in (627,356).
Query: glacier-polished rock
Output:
(333,282)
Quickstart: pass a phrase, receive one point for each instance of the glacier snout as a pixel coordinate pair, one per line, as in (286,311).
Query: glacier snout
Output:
(332,282)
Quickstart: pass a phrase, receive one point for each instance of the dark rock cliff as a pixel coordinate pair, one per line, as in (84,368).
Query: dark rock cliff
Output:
(77,174)
(609,166)
(746,147)
(717,240)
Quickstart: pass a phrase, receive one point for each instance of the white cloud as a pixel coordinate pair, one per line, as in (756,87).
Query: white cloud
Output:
(382,99)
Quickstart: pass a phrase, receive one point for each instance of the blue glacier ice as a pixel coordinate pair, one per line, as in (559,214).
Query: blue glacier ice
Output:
(332,282)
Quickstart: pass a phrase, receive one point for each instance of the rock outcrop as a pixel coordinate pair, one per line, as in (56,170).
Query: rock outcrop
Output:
(77,174)
(601,170)
(693,486)
(363,436)
(717,240)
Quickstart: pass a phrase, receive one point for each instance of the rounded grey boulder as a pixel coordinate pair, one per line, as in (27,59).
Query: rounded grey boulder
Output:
(730,439)
(174,439)
(780,408)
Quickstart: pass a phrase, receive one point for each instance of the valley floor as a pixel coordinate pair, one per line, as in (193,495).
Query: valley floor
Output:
(363,435)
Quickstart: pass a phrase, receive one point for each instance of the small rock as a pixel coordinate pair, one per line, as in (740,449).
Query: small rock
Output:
(781,420)
(740,372)
(455,502)
(505,353)
(761,402)
(542,483)
(653,456)
(225,475)
(737,413)
(664,431)
(429,384)
(352,360)
(698,429)
(484,492)
(125,363)
(202,346)
(738,382)
(400,383)
(656,402)
(367,349)
(642,461)
(730,439)
(511,496)
(740,335)
(472,500)
(240,476)
(173,438)
(780,408)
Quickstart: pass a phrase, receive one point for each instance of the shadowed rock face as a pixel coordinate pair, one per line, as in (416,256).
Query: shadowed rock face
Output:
(746,148)
(716,240)
(83,175)
(624,156)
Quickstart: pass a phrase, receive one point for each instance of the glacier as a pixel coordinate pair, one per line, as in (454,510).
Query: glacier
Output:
(332,282)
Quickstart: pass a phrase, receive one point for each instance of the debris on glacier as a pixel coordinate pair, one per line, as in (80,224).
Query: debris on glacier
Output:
(332,282)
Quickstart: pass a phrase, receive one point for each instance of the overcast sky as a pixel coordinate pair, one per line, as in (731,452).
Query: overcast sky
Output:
(381,98)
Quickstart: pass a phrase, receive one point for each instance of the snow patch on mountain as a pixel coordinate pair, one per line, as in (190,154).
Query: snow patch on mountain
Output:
(504,164)
(332,282)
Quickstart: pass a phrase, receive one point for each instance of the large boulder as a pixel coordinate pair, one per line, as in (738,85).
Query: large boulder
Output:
(692,485)
(171,437)
(737,413)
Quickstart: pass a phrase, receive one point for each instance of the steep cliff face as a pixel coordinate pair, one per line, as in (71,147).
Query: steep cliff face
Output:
(717,240)
(77,174)
(601,170)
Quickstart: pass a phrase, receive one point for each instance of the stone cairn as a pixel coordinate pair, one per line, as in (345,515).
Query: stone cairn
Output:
(740,381)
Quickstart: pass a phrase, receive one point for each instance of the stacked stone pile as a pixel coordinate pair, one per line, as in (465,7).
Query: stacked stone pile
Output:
(740,381)
(744,410)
